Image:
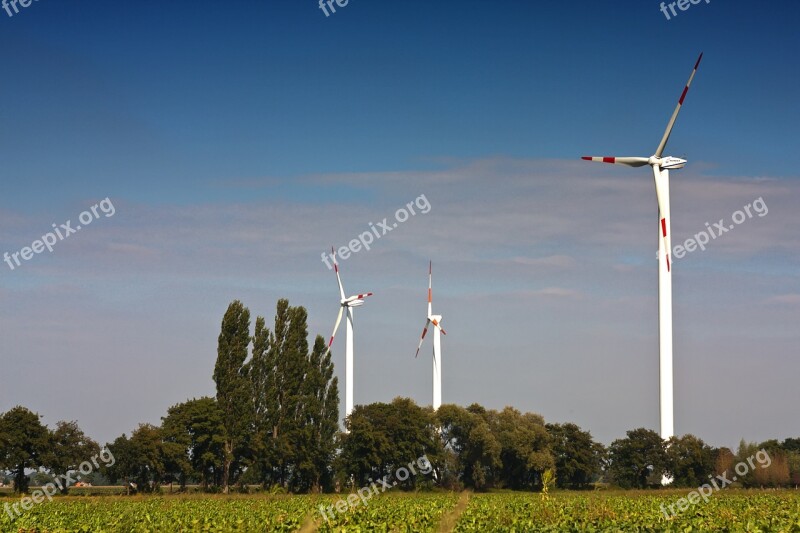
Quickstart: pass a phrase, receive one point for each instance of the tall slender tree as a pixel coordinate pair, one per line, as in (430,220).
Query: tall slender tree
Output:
(319,421)
(289,352)
(295,402)
(233,387)
(260,371)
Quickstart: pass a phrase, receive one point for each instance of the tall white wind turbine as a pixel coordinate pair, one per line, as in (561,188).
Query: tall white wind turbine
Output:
(346,303)
(661,167)
(437,342)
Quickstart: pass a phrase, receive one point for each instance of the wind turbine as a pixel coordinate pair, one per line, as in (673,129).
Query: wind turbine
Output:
(661,167)
(347,303)
(437,343)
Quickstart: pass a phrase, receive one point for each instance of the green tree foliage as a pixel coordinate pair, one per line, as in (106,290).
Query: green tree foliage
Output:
(69,448)
(467,433)
(793,460)
(260,372)
(126,464)
(383,437)
(318,422)
(24,444)
(289,346)
(691,461)
(636,458)
(140,460)
(578,458)
(233,387)
(745,450)
(295,403)
(193,441)
(524,447)
(791,445)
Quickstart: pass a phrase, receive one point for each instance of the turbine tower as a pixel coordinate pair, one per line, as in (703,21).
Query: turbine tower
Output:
(437,343)
(661,167)
(346,303)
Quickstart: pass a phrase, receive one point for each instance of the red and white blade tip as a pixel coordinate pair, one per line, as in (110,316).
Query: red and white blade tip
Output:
(686,88)
(611,160)
(335,264)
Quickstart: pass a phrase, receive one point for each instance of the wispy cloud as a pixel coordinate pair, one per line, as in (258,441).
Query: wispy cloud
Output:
(556,254)
(785,299)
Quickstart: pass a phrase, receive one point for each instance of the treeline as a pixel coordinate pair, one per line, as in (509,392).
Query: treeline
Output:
(274,423)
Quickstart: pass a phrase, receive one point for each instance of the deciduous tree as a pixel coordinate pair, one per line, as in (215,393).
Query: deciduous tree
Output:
(24,443)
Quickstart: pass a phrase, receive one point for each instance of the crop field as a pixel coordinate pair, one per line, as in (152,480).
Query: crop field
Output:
(754,511)
(733,511)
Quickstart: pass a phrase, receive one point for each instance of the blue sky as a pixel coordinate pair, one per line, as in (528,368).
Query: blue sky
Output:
(238,141)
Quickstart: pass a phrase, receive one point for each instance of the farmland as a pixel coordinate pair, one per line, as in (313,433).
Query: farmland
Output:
(732,511)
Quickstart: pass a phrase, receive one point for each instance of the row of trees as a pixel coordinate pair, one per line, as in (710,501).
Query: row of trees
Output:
(642,458)
(468,447)
(274,423)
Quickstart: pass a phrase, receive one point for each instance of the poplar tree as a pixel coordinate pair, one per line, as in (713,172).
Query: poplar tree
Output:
(233,387)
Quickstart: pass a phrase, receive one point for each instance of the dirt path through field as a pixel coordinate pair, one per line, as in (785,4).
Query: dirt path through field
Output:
(449,520)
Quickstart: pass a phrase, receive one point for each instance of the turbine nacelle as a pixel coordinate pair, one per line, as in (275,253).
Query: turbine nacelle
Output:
(668,163)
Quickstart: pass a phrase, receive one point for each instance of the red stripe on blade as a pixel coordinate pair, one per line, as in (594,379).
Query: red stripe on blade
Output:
(685,90)
(664,226)
(609,159)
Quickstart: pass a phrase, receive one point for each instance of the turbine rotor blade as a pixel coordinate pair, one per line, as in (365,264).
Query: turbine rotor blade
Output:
(663,144)
(627,161)
(422,339)
(662,213)
(336,268)
(357,297)
(336,326)
(430,289)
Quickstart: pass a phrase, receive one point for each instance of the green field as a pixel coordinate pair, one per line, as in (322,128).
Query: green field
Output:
(752,511)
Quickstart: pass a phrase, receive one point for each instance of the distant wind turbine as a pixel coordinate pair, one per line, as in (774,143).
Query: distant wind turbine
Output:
(437,342)
(661,167)
(347,303)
